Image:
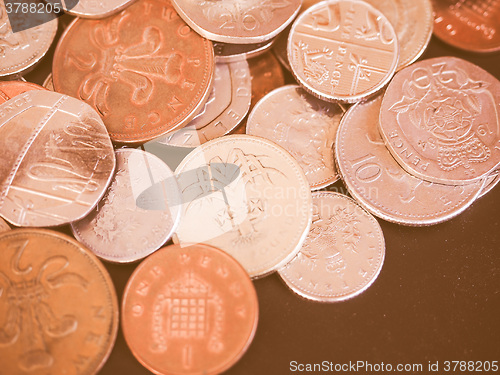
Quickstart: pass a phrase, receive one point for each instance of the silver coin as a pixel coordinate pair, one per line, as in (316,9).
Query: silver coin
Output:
(343,252)
(239,22)
(246,196)
(304,126)
(225,108)
(230,52)
(139,212)
(379,183)
(57,159)
(96,9)
(342,50)
(22,50)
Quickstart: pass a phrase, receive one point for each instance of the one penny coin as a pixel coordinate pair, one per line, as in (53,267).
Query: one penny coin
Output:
(343,253)
(144,70)
(9,89)
(342,50)
(189,310)
(440,120)
(57,159)
(58,305)
(469,25)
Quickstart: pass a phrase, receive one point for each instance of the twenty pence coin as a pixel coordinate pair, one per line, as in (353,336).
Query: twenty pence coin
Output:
(379,183)
(247,196)
(440,119)
(144,70)
(342,255)
(189,310)
(58,306)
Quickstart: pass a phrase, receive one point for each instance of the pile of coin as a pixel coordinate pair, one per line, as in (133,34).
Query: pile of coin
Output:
(135,141)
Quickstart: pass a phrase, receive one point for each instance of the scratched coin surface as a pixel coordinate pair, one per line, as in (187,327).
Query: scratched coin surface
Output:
(239,22)
(20,51)
(440,120)
(230,52)
(9,89)
(139,212)
(304,126)
(246,196)
(413,23)
(471,25)
(144,70)
(378,182)
(225,108)
(190,310)
(58,305)
(57,159)
(96,8)
(342,50)
(343,252)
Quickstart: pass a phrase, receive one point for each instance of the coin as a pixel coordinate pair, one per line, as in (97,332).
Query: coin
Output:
(96,9)
(58,309)
(9,89)
(246,196)
(139,212)
(342,255)
(225,108)
(189,310)
(491,181)
(469,25)
(228,52)
(413,23)
(241,22)
(144,70)
(20,51)
(57,159)
(49,83)
(342,50)
(304,126)
(381,186)
(3,225)
(439,119)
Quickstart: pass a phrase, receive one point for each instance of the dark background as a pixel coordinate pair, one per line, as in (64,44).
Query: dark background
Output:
(437,297)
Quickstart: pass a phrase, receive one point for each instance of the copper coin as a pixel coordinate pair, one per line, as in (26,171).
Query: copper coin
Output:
(379,183)
(469,25)
(97,8)
(342,50)
(239,22)
(247,196)
(57,159)
(3,225)
(9,89)
(412,21)
(49,83)
(22,50)
(144,70)
(440,120)
(58,305)
(139,212)
(229,52)
(191,310)
(225,108)
(342,255)
(304,126)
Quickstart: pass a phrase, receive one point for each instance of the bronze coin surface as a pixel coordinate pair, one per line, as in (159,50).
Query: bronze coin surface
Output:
(470,25)
(9,89)
(57,159)
(58,305)
(189,310)
(144,70)
(440,119)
